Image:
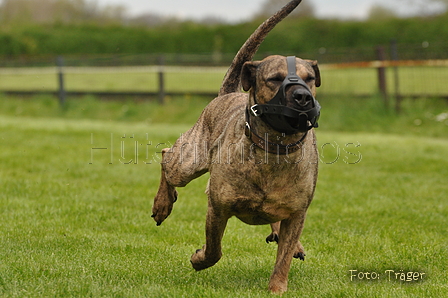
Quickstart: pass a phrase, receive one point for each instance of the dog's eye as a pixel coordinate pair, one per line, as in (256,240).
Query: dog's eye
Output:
(276,79)
(310,79)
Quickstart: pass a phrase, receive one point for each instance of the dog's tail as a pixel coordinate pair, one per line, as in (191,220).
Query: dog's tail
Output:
(231,82)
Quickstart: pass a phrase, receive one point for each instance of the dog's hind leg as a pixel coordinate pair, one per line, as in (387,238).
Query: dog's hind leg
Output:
(273,237)
(299,252)
(275,228)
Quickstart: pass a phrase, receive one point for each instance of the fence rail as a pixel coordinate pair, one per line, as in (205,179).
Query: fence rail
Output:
(388,63)
(107,95)
(389,78)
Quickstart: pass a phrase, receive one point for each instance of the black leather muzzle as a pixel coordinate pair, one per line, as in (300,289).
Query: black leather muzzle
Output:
(283,118)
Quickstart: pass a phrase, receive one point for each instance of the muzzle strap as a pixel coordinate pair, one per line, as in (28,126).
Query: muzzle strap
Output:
(258,110)
(271,147)
(276,113)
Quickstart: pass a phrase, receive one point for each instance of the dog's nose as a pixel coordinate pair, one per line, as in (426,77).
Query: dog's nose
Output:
(302,97)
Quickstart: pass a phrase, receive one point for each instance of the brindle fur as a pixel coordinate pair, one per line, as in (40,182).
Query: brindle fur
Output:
(245,181)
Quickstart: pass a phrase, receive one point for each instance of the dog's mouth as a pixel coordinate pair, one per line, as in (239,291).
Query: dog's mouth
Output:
(293,122)
(290,112)
(298,98)
(302,101)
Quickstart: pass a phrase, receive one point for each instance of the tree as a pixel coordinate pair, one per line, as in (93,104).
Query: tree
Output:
(423,2)
(148,19)
(379,12)
(63,11)
(428,6)
(269,7)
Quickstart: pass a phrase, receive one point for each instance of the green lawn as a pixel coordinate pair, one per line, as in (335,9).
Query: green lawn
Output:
(75,221)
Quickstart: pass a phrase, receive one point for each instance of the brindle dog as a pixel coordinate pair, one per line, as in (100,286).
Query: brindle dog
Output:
(247,178)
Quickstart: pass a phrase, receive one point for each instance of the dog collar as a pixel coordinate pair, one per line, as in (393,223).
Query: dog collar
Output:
(275,112)
(270,147)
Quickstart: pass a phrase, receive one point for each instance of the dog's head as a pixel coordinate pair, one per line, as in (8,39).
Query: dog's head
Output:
(282,92)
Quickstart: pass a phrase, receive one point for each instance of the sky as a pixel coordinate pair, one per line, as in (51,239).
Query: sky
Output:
(242,10)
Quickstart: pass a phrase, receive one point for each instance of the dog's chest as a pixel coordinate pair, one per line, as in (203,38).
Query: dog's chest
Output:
(260,194)
(264,203)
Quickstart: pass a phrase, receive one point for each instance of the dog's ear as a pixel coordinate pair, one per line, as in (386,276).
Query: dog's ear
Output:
(248,74)
(315,67)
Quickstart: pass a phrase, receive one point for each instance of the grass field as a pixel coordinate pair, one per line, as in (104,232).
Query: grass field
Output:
(76,220)
(424,81)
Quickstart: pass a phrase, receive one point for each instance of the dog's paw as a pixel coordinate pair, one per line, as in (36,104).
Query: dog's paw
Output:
(197,260)
(163,205)
(300,252)
(300,255)
(278,288)
(200,261)
(272,237)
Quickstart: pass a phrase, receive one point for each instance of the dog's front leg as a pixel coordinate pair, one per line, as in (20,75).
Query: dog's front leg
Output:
(211,252)
(165,198)
(289,235)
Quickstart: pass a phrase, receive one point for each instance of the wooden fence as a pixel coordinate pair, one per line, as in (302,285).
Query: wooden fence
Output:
(391,79)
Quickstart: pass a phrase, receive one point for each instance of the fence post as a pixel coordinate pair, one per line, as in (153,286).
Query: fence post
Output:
(394,55)
(161,74)
(381,56)
(61,90)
